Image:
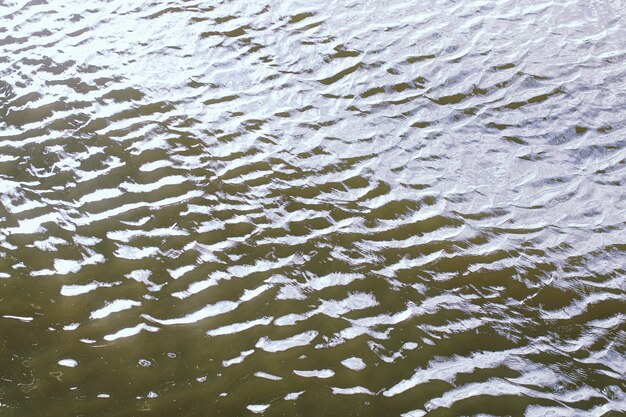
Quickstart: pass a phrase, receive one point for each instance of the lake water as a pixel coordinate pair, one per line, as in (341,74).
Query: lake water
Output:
(290,208)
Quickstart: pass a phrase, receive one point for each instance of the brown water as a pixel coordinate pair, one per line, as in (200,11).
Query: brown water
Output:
(312,208)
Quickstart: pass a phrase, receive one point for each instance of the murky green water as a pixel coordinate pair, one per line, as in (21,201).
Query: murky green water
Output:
(312,208)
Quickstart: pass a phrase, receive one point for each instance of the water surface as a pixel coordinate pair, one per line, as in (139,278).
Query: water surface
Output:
(339,208)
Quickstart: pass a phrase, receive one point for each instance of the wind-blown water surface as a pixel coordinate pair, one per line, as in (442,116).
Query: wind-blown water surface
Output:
(340,208)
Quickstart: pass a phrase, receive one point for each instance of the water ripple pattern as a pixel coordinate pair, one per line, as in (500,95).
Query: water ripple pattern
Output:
(335,208)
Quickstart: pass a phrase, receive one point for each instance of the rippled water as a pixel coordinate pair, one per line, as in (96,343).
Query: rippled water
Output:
(312,208)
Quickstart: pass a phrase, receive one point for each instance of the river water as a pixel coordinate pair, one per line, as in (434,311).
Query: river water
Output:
(340,208)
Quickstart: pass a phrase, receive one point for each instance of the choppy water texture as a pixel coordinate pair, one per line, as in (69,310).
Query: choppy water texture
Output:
(355,208)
